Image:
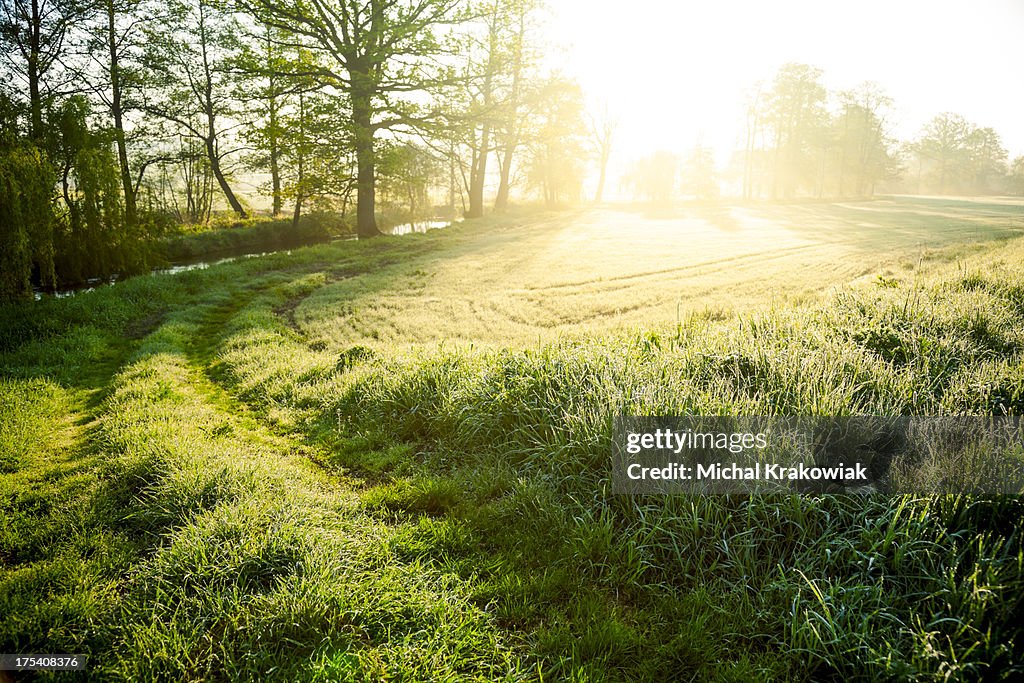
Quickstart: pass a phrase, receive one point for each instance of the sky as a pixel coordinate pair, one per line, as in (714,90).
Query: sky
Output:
(677,73)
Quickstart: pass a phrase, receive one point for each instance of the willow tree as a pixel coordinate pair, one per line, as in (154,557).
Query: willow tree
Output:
(384,56)
(26,219)
(93,237)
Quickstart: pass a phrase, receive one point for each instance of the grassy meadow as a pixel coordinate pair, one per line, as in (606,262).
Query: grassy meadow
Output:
(390,459)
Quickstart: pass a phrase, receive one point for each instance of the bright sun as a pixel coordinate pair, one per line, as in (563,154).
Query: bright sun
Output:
(675,74)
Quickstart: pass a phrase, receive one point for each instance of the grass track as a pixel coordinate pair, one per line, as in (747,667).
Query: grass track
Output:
(283,469)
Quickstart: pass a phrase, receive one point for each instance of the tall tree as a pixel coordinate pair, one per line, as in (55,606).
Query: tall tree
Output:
(482,114)
(864,155)
(754,127)
(263,85)
(1016,176)
(378,53)
(34,35)
(317,162)
(114,44)
(944,142)
(986,160)
(795,115)
(189,55)
(558,146)
(27,218)
(520,56)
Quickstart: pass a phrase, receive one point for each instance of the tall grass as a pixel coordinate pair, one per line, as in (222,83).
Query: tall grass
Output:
(508,483)
(225,476)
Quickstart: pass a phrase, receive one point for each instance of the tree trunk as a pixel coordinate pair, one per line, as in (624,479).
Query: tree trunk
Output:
(477,175)
(300,170)
(451,179)
(297,213)
(844,143)
(117,112)
(35,104)
(504,184)
(366,180)
(211,153)
(512,123)
(275,164)
(34,96)
(211,126)
(605,153)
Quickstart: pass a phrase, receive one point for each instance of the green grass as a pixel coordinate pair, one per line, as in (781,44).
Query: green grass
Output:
(250,236)
(391,460)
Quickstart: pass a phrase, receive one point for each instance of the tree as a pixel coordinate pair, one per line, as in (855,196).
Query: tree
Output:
(944,142)
(407,173)
(955,155)
(1016,176)
(482,108)
(602,131)
(864,150)
(113,75)
(317,160)
(377,53)
(558,145)
(753,166)
(189,59)
(698,173)
(26,219)
(34,35)
(93,236)
(986,160)
(188,182)
(795,115)
(654,177)
(263,63)
(521,54)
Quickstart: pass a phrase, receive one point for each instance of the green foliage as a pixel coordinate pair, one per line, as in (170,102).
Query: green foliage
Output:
(406,174)
(953,155)
(26,220)
(796,116)
(94,239)
(797,145)
(50,236)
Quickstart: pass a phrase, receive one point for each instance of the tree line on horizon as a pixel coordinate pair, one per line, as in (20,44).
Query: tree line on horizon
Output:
(123,119)
(801,140)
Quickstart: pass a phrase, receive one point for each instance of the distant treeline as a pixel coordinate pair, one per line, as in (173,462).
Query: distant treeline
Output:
(801,140)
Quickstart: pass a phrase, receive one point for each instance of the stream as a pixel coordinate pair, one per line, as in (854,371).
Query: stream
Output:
(200,264)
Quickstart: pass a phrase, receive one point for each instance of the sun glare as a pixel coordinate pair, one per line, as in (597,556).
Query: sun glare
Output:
(677,74)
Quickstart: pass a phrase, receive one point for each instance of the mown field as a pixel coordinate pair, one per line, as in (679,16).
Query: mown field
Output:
(390,460)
